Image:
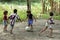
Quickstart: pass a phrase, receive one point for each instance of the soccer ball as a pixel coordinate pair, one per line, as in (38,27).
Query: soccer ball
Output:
(27,28)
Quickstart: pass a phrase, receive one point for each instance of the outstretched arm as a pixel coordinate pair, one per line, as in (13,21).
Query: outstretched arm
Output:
(18,18)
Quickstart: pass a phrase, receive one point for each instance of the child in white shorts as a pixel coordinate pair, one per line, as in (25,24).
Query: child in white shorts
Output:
(49,24)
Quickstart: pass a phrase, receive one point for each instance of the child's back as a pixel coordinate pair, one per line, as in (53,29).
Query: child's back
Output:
(13,17)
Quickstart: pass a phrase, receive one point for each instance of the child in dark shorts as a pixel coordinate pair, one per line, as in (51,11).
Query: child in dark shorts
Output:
(30,20)
(13,17)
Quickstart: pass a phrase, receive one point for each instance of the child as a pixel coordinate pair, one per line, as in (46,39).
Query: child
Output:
(49,24)
(13,17)
(5,20)
(30,20)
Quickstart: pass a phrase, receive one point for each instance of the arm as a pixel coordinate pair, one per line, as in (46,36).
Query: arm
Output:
(26,17)
(34,18)
(18,17)
(9,17)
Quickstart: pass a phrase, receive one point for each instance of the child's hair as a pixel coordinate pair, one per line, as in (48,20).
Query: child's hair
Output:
(51,14)
(28,11)
(5,12)
(15,10)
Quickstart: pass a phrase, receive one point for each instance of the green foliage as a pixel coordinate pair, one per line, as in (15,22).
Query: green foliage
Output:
(5,0)
(36,11)
(18,0)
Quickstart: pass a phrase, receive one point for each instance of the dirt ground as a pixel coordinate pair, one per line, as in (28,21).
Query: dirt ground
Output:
(19,32)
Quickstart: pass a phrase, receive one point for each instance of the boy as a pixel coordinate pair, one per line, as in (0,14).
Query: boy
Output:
(30,20)
(5,19)
(49,24)
(13,17)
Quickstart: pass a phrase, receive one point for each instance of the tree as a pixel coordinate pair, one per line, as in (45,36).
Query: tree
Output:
(43,6)
(51,4)
(5,0)
(59,7)
(28,5)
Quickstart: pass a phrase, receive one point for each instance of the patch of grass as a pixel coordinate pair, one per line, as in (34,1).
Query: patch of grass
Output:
(57,17)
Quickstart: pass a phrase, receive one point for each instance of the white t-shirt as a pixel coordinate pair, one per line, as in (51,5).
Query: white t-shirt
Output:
(13,18)
(48,23)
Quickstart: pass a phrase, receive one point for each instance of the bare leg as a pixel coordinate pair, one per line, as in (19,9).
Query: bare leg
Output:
(43,29)
(51,32)
(11,30)
(28,25)
(5,28)
(31,27)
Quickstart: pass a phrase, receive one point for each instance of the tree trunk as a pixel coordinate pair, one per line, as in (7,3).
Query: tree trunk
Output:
(43,6)
(28,5)
(51,4)
(59,7)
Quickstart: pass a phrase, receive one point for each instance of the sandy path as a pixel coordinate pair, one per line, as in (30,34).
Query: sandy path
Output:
(21,34)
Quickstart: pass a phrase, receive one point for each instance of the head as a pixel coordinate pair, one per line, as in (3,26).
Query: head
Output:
(29,12)
(51,14)
(5,12)
(15,10)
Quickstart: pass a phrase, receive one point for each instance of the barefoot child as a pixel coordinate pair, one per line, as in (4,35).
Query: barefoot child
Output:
(49,24)
(5,20)
(30,20)
(13,17)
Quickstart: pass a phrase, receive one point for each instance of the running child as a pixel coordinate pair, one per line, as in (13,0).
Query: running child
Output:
(30,18)
(5,20)
(49,24)
(13,17)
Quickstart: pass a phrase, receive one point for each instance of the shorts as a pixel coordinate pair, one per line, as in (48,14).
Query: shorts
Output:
(30,22)
(5,22)
(12,23)
(49,25)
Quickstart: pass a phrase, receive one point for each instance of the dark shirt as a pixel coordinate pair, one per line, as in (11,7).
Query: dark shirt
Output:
(5,18)
(30,16)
